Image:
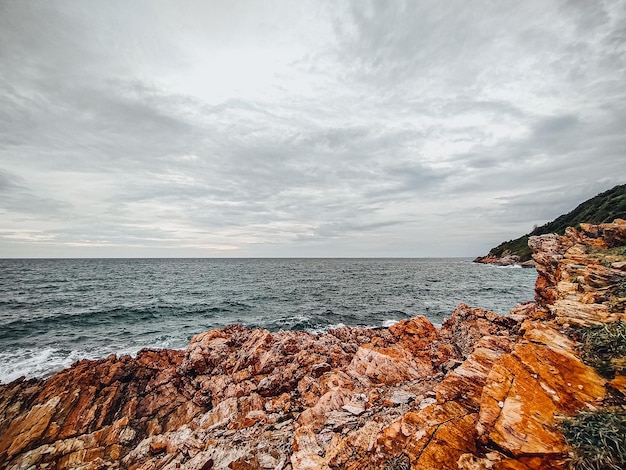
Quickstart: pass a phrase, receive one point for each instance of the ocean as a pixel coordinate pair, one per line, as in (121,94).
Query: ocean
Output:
(56,311)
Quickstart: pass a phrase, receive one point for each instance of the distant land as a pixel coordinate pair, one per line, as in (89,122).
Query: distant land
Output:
(603,208)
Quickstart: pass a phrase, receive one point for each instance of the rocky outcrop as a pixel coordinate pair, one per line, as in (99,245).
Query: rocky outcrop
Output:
(507,259)
(482,391)
(581,276)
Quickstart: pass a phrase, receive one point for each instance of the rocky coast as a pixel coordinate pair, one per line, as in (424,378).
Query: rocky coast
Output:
(507,259)
(482,391)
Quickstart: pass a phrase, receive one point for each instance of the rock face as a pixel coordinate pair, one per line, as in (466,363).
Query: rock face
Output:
(483,391)
(581,275)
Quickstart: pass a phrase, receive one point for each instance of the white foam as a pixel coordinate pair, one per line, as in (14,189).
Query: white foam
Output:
(40,363)
(388,323)
(322,330)
(33,363)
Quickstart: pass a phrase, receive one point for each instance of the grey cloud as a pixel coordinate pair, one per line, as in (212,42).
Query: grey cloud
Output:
(469,104)
(477,161)
(552,126)
(341,228)
(429,42)
(8,182)
(555,132)
(414,179)
(18,198)
(563,198)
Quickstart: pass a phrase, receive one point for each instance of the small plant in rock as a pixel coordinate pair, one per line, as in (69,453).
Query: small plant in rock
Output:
(620,288)
(399,462)
(597,439)
(604,347)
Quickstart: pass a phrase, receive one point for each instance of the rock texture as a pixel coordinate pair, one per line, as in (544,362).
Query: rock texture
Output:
(482,391)
(581,275)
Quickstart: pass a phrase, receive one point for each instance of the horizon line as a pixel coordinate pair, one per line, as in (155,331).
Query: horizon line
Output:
(227,257)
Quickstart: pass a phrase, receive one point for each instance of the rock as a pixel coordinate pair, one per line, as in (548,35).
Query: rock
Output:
(401,398)
(573,285)
(507,259)
(468,325)
(529,388)
(426,402)
(355,407)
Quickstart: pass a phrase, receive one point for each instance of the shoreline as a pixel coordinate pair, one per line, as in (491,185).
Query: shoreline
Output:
(58,321)
(483,390)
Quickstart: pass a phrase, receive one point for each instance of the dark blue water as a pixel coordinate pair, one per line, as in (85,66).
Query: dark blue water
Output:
(53,312)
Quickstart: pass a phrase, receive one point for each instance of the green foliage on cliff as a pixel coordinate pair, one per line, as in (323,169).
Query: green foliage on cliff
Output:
(604,347)
(597,439)
(603,208)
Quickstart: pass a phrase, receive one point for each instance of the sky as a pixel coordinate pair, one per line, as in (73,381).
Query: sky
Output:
(284,128)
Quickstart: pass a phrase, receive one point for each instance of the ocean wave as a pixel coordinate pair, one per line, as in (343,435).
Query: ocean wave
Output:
(99,319)
(37,362)
(44,362)
(325,329)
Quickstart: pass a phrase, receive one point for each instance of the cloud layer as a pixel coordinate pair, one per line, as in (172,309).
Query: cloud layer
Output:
(241,128)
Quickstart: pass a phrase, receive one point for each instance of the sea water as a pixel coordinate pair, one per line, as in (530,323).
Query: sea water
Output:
(56,311)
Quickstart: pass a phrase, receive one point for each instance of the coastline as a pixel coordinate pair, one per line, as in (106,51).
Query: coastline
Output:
(482,391)
(57,313)
(505,260)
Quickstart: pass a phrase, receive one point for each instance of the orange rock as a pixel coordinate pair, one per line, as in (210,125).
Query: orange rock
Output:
(156,447)
(388,365)
(528,389)
(433,438)
(26,429)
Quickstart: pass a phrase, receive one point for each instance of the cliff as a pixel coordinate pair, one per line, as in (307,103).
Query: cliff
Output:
(601,208)
(483,391)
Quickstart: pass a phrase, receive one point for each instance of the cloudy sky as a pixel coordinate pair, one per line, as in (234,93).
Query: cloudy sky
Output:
(243,128)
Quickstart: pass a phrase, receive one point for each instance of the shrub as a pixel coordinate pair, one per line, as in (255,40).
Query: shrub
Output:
(604,347)
(399,462)
(597,439)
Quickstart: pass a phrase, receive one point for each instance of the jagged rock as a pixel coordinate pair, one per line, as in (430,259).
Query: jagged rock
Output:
(507,259)
(401,398)
(527,389)
(573,283)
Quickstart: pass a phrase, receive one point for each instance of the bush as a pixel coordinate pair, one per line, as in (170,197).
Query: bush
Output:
(597,439)
(604,347)
(399,462)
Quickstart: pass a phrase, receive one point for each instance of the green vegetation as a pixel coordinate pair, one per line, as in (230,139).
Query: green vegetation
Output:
(607,256)
(603,208)
(399,462)
(518,247)
(597,439)
(604,347)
